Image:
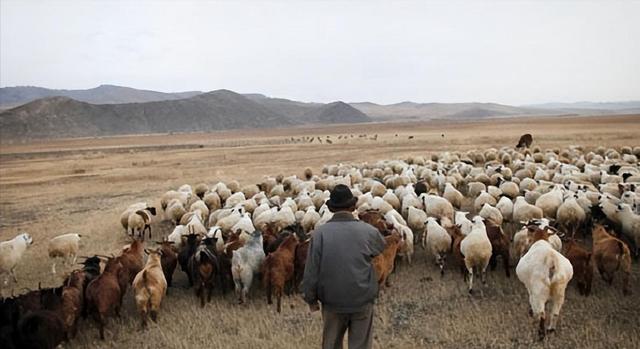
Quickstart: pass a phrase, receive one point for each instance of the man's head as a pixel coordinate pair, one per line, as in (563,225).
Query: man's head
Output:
(341,199)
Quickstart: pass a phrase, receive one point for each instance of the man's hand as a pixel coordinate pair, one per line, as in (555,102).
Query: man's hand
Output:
(314,307)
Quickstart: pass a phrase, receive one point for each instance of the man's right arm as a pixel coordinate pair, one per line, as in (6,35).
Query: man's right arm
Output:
(312,270)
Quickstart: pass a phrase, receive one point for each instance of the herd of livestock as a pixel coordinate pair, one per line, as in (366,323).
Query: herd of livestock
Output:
(576,213)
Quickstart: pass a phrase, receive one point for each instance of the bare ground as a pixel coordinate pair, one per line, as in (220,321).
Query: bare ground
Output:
(82,185)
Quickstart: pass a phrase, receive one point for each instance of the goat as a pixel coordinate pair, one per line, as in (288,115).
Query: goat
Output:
(383,263)
(203,265)
(150,286)
(611,255)
(277,269)
(105,292)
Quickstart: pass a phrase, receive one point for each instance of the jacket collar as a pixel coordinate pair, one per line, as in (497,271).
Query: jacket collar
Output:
(342,216)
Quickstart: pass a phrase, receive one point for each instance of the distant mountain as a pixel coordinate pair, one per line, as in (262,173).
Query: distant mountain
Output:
(57,117)
(283,106)
(590,105)
(104,94)
(427,111)
(336,112)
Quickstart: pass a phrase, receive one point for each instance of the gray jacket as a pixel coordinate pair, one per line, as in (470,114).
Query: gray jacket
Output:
(338,272)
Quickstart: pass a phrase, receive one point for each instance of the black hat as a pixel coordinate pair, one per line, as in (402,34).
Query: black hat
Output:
(341,197)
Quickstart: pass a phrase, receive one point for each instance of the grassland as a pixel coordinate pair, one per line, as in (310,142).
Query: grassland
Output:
(82,185)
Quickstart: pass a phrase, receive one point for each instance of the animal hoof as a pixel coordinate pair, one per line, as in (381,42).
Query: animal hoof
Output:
(471,291)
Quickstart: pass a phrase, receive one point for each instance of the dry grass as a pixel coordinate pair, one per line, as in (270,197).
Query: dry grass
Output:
(57,187)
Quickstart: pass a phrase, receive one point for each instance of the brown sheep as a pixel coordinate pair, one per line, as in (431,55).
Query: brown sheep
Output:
(150,286)
(73,301)
(499,247)
(580,259)
(277,269)
(383,263)
(610,255)
(104,293)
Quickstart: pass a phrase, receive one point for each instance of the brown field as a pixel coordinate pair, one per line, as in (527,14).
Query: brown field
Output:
(64,186)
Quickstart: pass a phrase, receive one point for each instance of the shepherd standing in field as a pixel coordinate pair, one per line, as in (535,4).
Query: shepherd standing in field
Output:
(339,273)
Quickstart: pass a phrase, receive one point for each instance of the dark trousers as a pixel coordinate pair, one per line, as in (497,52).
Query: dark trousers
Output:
(360,326)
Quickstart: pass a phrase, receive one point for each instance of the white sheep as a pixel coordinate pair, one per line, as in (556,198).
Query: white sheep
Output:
(175,210)
(140,220)
(570,216)
(416,219)
(550,202)
(176,236)
(11,252)
(406,249)
(452,195)
(216,233)
(436,206)
(245,226)
(630,224)
(124,217)
(309,220)
(437,241)
(245,263)
(524,212)
(484,198)
(283,218)
(476,249)
(64,246)
(465,224)
(545,273)
(505,205)
(491,214)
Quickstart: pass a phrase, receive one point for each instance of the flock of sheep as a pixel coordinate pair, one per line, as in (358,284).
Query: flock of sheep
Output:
(226,234)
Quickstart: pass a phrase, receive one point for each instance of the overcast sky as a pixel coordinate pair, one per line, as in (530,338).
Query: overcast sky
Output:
(385,52)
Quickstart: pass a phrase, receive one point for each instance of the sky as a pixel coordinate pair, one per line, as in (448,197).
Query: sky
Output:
(512,52)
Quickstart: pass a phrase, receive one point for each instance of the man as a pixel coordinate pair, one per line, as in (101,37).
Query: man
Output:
(339,274)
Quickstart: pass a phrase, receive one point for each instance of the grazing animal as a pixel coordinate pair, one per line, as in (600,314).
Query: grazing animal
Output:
(104,294)
(499,247)
(168,260)
(545,273)
(11,252)
(132,259)
(611,255)
(188,250)
(150,286)
(204,267)
(65,246)
(476,249)
(140,221)
(438,241)
(277,269)
(580,259)
(245,263)
(525,141)
(73,301)
(383,263)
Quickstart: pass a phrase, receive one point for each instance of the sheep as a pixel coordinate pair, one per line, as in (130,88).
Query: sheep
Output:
(476,249)
(438,241)
(406,250)
(124,217)
(545,273)
(570,216)
(524,212)
(416,219)
(245,263)
(491,214)
(384,262)
(452,195)
(482,199)
(150,287)
(550,202)
(465,224)
(611,255)
(510,189)
(175,210)
(176,236)
(283,218)
(11,253)
(475,188)
(630,223)
(392,199)
(505,205)
(309,220)
(140,220)
(580,260)
(436,206)
(65,246)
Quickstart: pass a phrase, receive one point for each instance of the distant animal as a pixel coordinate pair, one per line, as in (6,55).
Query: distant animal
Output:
(525,141)
(11,252)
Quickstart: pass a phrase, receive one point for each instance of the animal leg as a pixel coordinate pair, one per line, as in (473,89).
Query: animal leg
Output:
(470,279)
(557,299)
(53,267)
(143,314)
(13,273)
(100,319)
(279,298)
(269,301)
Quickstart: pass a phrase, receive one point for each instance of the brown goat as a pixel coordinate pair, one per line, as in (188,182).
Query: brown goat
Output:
(204,266)
(73,301)
(104,293)
(132,259)
(376,219)
(499,247)
(383,263)
(150,286)
(525,141)
(580,259)
(610,255)
(456,240)
(277,269)
(168,260)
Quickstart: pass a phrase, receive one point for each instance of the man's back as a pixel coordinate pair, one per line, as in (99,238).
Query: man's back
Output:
(338,270)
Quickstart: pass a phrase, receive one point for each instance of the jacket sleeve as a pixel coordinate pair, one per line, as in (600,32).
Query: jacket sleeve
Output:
(312,270)
(376,243)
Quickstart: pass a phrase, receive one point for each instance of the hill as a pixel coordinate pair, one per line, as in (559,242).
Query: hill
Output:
(336,112)
(104,94)
(57,117)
